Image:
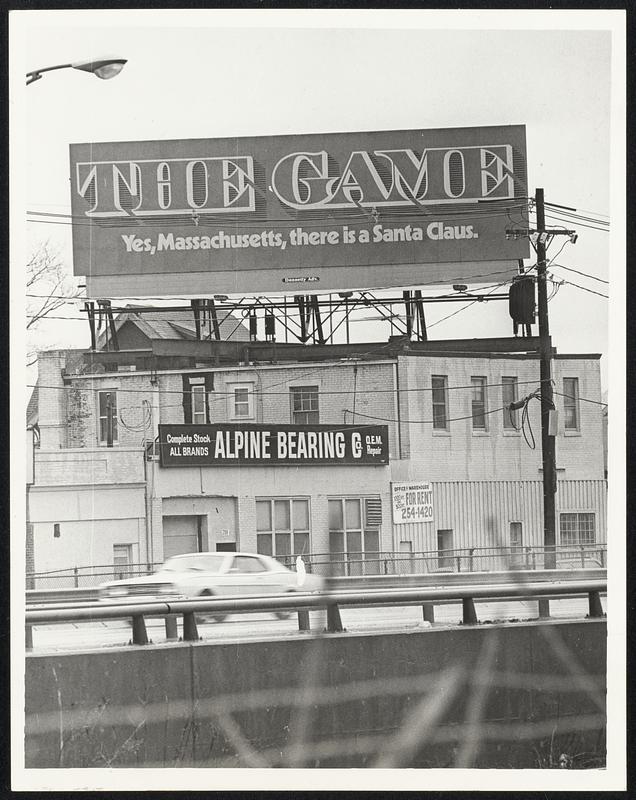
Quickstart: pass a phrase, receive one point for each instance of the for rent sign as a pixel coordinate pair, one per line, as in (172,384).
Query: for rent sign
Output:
(293,445)
(269,213)
(412,502)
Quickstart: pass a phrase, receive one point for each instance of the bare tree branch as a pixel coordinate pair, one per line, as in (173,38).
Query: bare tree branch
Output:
(49,286)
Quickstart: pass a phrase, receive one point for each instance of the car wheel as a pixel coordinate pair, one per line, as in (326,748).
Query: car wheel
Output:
(284,614)
(218,617)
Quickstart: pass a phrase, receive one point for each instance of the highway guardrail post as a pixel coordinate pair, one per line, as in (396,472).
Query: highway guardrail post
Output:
(303,619)
(171,628)
(428,612)
(190,631)
(28,639)
(595,605)
(139,633)
(334,623)
(469,615)
(544,607)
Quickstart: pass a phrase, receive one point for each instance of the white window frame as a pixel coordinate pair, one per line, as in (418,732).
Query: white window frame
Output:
(577,514)
(104,442)
(304,387)
(197,389)
(232,389)
(293,530)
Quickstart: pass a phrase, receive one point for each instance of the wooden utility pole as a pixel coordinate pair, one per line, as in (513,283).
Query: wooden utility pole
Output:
(547,402)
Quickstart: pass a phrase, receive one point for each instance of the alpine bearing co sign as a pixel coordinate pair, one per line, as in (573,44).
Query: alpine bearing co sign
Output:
(334,211)
(291,445)
(412,502)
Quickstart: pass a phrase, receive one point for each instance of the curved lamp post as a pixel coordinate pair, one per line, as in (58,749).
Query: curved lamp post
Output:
(104,68)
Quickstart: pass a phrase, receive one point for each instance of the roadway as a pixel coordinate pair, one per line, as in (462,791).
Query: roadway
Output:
(85,636)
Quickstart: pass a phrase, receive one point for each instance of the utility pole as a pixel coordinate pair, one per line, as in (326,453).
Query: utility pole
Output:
(547,403)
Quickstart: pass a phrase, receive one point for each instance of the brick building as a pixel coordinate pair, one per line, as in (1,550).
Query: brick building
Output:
(444,405)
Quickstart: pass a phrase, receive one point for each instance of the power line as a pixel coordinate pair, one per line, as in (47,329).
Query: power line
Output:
(591,291)
(423,421)
(578,224)
(265,391)
(582,399)
(583,274)
(575,212)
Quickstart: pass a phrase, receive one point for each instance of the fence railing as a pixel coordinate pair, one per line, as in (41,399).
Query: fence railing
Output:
(358,564)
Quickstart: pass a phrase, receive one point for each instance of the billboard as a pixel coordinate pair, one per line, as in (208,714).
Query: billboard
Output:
(244,444)
(298,213)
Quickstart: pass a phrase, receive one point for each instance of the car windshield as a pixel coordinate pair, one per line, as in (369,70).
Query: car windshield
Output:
(195,563)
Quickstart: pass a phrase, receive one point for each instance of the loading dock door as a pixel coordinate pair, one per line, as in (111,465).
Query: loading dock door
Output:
(181,534)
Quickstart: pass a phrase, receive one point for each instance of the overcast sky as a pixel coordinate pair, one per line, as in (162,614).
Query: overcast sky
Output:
(197,74)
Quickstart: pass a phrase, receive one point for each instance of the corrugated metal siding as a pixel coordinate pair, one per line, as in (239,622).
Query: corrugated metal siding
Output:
(480,512)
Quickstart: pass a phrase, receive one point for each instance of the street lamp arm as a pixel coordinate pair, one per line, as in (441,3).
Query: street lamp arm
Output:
(37,74)
(104,68)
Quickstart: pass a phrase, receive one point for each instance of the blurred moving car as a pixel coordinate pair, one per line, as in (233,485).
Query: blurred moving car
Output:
(213,575)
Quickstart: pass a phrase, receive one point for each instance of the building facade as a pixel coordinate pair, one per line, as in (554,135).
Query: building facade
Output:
(102,496)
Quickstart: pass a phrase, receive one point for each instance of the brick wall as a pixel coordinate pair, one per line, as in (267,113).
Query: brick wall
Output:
(464,454)
(89,466)
(51,399)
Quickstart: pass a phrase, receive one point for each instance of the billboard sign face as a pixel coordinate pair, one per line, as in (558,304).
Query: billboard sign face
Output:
(315,212)
(229,444)
(412,502)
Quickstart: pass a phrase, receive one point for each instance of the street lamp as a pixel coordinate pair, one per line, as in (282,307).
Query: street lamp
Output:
(104,68)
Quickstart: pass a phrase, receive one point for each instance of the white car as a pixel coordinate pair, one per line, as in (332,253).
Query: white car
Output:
(213,575)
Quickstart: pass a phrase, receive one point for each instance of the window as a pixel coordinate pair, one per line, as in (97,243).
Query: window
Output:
(282,526)
(509,395)
(198,404)
(571,403)
(354,534)
(122,560)
(196,391)
(444,546)
(440,402)
(478,403)
(577,528)
(247,564)
(304,405)
(107,407)
(241,397)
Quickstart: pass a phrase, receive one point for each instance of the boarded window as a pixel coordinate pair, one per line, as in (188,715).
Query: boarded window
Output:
(508,396)
(478,403)
(571,403)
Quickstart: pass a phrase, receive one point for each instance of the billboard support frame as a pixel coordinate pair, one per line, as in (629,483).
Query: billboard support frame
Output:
(312,323)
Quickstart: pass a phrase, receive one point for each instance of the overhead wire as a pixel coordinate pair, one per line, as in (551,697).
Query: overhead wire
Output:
(265,390)
(578,272)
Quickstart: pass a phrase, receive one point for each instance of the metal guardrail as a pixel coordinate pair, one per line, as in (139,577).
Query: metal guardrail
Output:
(302,602)
(61,596)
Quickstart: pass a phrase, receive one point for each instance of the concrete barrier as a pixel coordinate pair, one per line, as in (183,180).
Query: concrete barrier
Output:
(339,700)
